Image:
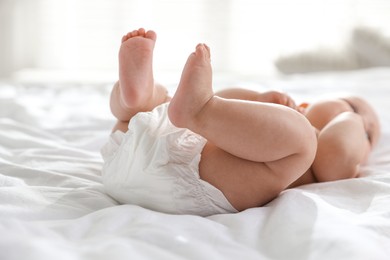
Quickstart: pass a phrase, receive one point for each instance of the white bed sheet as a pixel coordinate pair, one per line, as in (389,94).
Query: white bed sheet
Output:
(53,205)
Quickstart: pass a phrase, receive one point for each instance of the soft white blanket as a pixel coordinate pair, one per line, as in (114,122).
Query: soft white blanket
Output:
(53,205)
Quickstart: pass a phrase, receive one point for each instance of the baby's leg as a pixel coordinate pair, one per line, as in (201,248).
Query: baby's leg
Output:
(136,90)
(262,131)
(255,149)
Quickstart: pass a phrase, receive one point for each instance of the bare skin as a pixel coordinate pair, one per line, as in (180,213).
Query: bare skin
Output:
(348,131)
(258,143)
(139,91)
(240,158)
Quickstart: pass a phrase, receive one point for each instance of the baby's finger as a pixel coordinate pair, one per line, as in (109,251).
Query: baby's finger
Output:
(290,102)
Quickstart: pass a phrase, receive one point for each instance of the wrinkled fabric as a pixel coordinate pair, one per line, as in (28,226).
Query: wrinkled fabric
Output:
(156,165)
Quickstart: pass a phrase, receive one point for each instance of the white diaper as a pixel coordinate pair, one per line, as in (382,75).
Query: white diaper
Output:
(155,165)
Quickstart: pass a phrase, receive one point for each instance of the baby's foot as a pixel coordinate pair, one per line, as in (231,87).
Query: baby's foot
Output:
(194,90)
(135,68)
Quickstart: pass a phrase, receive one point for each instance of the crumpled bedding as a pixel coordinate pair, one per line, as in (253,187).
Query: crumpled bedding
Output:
(53,204)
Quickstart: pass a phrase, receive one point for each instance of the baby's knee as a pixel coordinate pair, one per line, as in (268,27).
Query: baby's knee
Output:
(292,167)
(309,151)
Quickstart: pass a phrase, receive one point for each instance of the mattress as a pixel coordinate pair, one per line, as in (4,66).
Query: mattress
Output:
(53,204)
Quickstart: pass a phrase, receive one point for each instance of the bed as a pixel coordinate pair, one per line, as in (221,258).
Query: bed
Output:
(53,204)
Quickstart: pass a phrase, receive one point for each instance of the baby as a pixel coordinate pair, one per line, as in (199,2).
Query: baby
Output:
(206,153)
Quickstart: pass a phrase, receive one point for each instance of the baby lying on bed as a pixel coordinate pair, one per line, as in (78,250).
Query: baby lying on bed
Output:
(205,153)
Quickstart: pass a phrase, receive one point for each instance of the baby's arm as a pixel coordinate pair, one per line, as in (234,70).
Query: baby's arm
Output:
(275,97)
(348,128)
(342,147)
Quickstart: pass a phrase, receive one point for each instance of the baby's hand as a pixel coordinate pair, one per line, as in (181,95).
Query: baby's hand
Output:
(277,97)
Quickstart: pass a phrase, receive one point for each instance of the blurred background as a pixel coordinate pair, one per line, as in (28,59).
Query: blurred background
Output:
(79,39)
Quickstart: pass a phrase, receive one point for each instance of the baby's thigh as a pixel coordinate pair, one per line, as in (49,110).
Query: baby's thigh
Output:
(244,183)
